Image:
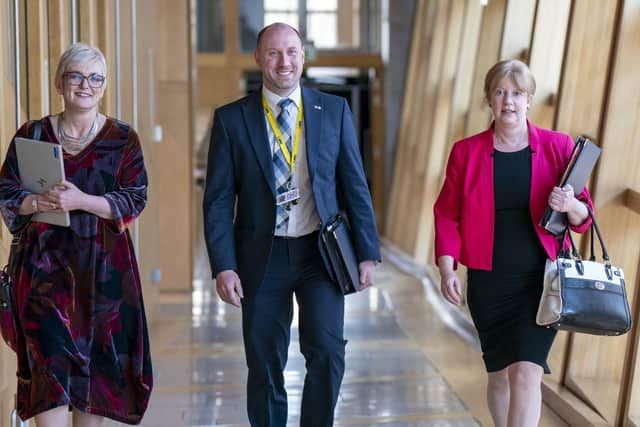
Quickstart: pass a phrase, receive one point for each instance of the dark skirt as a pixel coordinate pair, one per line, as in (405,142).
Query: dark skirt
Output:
(503,308)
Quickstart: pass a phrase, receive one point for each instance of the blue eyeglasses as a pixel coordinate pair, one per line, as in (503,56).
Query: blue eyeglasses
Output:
(75,78)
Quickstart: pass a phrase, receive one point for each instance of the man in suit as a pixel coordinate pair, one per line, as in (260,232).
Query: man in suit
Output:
(277,160)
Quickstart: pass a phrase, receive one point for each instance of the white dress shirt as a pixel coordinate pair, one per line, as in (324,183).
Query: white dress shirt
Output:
(303,216)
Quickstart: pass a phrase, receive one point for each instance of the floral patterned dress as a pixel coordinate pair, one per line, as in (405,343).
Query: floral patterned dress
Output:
(82,339)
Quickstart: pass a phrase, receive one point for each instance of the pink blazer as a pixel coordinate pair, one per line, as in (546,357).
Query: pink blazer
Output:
(465,212)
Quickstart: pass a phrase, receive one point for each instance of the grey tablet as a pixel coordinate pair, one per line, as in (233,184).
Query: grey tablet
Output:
(41,166)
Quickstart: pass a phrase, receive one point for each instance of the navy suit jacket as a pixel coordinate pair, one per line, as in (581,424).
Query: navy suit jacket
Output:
(239,201)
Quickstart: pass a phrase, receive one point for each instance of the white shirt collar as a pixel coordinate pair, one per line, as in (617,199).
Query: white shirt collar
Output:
(274,98)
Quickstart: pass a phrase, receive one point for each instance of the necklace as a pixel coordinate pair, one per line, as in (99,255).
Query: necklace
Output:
(71,144)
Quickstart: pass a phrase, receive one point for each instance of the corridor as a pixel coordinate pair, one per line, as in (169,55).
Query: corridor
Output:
(405,366)
(389,379)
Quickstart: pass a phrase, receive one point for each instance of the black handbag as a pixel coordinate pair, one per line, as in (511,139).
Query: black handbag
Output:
(336,237)
(584,295)
(8,320)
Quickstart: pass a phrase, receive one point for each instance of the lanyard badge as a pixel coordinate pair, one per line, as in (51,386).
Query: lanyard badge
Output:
(292,195)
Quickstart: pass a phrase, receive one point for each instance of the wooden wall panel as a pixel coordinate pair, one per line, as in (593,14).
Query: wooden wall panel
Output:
(7,127)
(174,153)
(489,53)
(461,101)
(518,28)
(581,99)
(88,21)
(586,68)
(38,59)
(617,171)
(406,131)
(378,133)
(173,58)
(126,63)
(423,122)
(59,39)
(106,42)
(148,223)
(547,51)
(436,140)
(214,92)
(415,120)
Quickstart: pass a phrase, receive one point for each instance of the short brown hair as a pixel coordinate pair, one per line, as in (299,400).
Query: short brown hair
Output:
(516,70)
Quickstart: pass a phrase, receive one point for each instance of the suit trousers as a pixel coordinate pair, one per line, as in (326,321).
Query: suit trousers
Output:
(295,268)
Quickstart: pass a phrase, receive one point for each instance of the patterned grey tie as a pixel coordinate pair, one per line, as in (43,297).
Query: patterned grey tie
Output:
(280,166)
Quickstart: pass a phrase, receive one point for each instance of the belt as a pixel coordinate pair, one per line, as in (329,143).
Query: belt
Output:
(313,234)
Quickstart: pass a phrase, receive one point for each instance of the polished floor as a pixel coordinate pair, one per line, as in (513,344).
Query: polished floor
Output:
(409,361)
(405,366)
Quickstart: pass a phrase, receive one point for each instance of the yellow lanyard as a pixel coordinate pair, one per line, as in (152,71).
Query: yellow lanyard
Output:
(290,158)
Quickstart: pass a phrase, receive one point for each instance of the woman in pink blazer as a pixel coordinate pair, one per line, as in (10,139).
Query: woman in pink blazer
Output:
(497,186)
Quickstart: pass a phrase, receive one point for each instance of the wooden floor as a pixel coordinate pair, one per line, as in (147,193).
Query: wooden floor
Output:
(406,365)
(410,362)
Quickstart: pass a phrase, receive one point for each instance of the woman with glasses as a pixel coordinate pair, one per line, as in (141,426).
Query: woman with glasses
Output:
(82,342)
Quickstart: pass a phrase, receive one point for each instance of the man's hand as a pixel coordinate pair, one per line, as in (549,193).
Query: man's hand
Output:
(229,288)
(367,273)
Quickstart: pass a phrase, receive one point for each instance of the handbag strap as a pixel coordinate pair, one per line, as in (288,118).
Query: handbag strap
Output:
(594,226)
(576,254)
(36,133)
(592,244)
(36,130)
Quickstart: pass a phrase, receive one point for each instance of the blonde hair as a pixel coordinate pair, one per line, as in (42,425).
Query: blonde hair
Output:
(515,70)
(79,53)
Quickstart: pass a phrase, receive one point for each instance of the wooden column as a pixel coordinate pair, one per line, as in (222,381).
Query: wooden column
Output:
(581,102)
(174,154)
(488,54)
(518,28)
(401,174)
(402,219)
(547,51)
(59,41)
(461,101)
(7,129)
(38,59)
(436,139)
(88,22)
(106,42)
(602,372)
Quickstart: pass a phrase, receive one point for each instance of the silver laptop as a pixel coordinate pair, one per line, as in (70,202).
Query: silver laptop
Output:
(41,166)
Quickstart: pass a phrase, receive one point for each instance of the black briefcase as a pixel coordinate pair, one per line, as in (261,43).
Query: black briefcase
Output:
(336,237)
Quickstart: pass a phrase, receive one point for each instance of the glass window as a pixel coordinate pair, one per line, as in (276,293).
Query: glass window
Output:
(210,25)
(322,30)
(325,24)
(286,17)
(291,5)
(322,5)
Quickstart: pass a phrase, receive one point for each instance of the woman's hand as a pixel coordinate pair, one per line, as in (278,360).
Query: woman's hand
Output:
(35,203)
(562,199)
(451,287)
(65,196)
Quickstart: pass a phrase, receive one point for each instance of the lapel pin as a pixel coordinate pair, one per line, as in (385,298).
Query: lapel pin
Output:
(317,107)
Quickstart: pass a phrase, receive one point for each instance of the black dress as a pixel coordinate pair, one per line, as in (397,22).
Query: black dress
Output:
(504,301)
